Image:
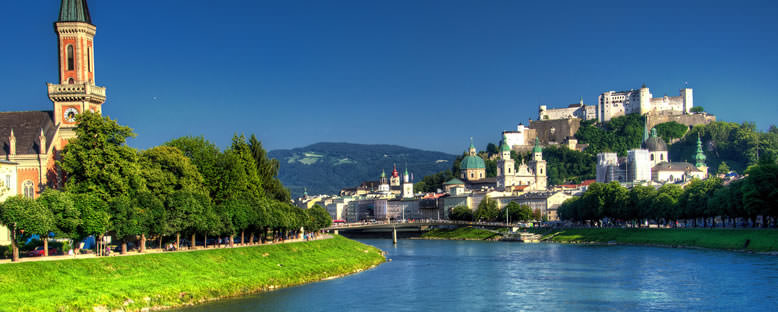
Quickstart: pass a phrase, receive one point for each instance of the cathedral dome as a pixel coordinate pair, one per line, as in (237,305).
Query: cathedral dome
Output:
(473,162)
(655,143)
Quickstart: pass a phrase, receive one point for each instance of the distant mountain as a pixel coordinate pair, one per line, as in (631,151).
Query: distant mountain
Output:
(326,168)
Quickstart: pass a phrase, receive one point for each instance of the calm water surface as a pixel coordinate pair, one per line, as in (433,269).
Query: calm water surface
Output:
(500,276)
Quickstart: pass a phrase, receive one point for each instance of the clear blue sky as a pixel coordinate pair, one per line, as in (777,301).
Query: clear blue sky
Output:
(424,74)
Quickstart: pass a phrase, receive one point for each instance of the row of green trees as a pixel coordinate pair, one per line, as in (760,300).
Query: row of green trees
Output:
(756,195)
(185,187)
(488,212)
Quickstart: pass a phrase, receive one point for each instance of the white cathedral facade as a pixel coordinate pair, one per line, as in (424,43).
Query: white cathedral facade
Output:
(528,177)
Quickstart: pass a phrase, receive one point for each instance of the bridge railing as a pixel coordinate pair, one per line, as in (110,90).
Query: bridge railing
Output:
(419,222)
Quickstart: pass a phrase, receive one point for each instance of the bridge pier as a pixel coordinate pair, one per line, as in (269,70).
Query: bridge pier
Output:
(394,235)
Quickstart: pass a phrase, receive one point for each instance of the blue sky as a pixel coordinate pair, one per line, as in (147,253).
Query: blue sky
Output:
(424,74)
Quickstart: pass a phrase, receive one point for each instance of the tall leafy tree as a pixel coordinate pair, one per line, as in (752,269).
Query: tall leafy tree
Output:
(461,213)
(166,170)
(97,161)
(267,169)
(205,156)
(760,190)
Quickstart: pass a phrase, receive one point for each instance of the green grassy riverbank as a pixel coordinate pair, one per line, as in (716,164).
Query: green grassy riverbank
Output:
(759,240)
(463,233)
(175,279)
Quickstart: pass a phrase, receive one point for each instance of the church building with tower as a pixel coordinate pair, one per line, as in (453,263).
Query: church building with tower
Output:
(528,177)
(34,140)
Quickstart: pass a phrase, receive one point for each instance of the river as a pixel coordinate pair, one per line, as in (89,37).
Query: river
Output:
(500,276)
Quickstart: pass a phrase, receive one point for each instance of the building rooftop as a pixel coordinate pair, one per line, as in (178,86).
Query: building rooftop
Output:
(27,128)
(74,11)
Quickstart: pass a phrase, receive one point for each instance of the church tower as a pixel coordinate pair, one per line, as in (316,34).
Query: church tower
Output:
(538,166)
(76,91)
(700,158)
(506,169)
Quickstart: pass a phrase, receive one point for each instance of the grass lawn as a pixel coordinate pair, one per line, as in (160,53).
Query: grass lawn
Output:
(171,279)
(761,240)
(460,233)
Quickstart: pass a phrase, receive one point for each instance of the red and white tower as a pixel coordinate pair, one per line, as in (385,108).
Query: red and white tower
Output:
(76,91)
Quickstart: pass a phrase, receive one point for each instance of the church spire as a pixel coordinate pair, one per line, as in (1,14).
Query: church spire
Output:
(700,156)
(74,11)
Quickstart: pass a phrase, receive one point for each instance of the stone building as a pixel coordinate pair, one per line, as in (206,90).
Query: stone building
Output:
(578,110)
(618,103)
(35,139)
(531,176)
(546,202)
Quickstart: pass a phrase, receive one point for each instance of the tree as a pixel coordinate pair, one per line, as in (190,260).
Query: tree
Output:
(760,190)
(66,217)
(205,156)
(95,217)
(640,206)
(97,161)
(492,149)
(267,168)
(670,131)
(321,218)
(461,213)
(516,212)
(697,109)
(487,210)
(723,168)
(23,215)
(127,220)
(166,170)
(186,214)
(665,204)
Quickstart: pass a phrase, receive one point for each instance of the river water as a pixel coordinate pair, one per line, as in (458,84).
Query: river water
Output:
(500,276)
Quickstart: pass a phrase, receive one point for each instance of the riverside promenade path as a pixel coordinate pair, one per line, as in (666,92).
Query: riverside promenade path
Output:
(158,250)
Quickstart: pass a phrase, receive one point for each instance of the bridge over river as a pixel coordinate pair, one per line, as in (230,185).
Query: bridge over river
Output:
(416,225)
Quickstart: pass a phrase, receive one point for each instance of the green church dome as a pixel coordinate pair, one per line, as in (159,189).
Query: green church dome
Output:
(473,162)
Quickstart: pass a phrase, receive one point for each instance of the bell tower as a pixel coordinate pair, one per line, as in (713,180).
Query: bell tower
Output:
(76,91)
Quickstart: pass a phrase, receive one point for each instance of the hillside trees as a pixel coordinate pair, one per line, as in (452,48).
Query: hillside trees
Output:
(618,135)
(670,131)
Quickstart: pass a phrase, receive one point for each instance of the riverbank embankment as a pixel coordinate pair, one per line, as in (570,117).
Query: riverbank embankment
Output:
(462,233)
(754,240)
(175,279)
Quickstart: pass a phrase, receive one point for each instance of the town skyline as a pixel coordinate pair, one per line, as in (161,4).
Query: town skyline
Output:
(331,72)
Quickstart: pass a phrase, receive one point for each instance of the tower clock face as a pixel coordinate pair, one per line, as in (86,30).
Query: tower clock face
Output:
(70,114)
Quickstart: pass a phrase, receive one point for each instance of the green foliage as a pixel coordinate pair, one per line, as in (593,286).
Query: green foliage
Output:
(461,213)
(24,215)
(618,135)
(697,109)
(760,190)
(95,217)
(564,165)
(267,168)
(205,156)
(736,144)
(487,211)
(97,161)
(432,183)
(723,168)
(462,233)
(167,170)
(670,131)
(67,218)
(319,217)
(516,212)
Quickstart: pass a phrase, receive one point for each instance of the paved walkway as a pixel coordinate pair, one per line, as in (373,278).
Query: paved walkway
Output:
(156,250)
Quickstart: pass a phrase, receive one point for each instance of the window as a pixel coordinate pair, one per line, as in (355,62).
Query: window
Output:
(70,81)
(29,189)
(7,180)
(89,60)
(71,59)
(661,156)
(652,157)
